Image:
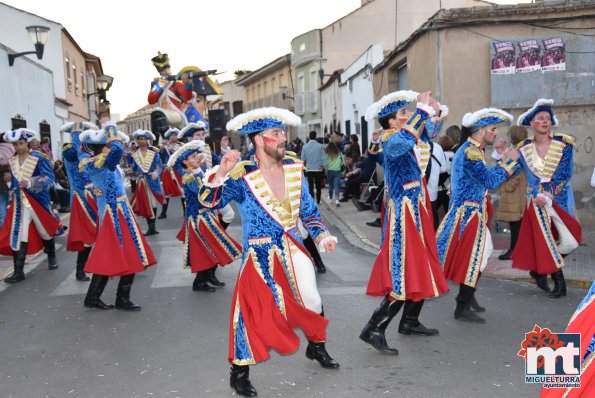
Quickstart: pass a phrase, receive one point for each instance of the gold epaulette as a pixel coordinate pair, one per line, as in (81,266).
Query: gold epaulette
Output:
(66,147)
(291,156)
(566,138)
(473,153)
(239,170)
(523,143)
(386,134)
(98,162)
(42,154)
(154,149)
(188,178)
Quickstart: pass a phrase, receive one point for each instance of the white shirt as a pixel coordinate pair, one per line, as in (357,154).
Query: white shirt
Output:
(437,153)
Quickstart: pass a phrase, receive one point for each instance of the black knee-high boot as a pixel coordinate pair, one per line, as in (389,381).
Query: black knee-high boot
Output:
(50,250)
(224,224)
(123,294)
(164,209)
(81,260)
(212,279)
(373,332)
(18,259)
(313,250)
(559,285)
(200,282)
(463,311)
(540,280)
(410,323)
(183,200)
(239,380)
(93,298)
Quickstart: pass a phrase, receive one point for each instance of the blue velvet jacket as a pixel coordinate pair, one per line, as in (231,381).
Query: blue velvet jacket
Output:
(470,181)
(80,183)
(553,179)
(146,166)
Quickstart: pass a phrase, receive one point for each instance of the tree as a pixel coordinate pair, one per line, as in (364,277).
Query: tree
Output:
(241,72)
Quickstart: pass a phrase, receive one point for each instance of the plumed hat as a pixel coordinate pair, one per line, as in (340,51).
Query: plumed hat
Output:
(261,119)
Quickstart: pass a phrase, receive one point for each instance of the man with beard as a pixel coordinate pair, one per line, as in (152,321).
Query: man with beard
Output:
(276,289)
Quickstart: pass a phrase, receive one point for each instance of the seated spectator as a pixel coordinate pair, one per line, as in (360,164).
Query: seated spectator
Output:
(361,175)
(60,191)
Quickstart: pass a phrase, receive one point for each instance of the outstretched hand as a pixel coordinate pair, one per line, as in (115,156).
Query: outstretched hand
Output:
(229,160)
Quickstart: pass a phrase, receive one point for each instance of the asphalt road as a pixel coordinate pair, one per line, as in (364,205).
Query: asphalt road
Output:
(51,346)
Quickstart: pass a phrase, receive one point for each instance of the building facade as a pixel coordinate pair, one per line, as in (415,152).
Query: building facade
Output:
(451,55)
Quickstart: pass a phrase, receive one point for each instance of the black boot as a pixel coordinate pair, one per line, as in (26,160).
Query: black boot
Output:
(239,380)
(123,294)
(310,245)
(200,282)
(50,250)
(213,278)
(93,300)
(164,210)
(540,280)
(410,323)
(152,230)
(559,285)
(224,224)
(373,332)
(463,311)
(81,260)
(474,305)
(18,259)
(183,200)
(317,351)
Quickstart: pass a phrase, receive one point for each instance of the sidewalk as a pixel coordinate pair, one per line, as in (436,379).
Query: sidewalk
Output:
(580,265)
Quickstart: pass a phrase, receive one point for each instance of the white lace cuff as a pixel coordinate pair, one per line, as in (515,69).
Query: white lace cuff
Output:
(323,242)
(210,175)
(548,200)
(443,111)
(496,156)
(426,108)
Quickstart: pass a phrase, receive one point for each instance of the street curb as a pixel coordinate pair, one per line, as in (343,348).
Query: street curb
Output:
(363,238)
(372,248)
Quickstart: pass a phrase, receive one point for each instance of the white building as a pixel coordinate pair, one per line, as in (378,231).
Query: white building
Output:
(357,94)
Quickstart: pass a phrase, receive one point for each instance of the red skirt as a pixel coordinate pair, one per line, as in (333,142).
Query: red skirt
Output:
(83,228)
(172,183)
(532,252)
(458,257)
(110,258)
(423,276)
(265,326)
(141,202)
(35,243)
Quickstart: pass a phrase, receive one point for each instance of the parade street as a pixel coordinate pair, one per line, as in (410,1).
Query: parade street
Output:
(177,345)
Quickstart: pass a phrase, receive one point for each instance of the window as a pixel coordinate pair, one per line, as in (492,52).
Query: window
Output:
(303,47)
(45,130)
(18,122)
(281,80)
(76,84)
(274,85)
(68,79)
(402,83)
(83,87)
(313,79)
(301,87)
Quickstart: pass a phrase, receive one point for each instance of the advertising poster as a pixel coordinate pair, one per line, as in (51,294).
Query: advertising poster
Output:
(554,54)
(529,58)
(503,62)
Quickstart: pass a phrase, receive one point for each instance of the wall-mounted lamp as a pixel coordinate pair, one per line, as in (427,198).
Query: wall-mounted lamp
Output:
(39,36)
(103,84)
(284,95)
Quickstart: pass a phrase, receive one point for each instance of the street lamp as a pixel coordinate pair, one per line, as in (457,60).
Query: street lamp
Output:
(39,36)
(284,95)
(103,84)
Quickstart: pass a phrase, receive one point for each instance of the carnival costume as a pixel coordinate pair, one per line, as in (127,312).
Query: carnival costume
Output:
(537,250)
(407,269)
(206,243)
(30,224)
(464,240)
(82,231)
(170,179)
(149,192)
(276,288)
(120,249)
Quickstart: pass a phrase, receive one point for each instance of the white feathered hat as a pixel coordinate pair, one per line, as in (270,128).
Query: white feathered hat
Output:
(261,119)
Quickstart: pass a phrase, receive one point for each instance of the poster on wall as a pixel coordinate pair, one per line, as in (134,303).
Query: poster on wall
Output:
(554,54)
(529,59)
(503,62)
